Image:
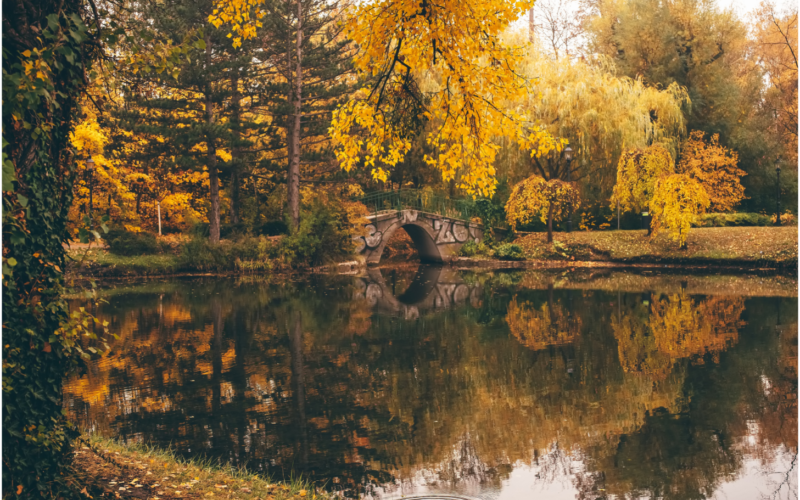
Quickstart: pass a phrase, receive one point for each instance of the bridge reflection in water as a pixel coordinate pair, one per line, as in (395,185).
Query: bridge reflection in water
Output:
(433,288)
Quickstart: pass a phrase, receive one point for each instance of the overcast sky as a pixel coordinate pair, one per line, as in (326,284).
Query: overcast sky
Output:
(744,7)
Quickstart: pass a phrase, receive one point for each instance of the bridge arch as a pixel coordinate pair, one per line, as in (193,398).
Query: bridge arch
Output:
(421,234)
(437,238)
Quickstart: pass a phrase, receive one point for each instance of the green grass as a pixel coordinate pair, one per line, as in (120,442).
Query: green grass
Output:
(97,262)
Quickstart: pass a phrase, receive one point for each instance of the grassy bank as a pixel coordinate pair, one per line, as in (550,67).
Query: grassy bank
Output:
(738,246)
(101,263)
(110,469)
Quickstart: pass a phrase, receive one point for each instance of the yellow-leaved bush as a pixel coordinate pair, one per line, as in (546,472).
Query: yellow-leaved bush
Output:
(678,200)
(707,176)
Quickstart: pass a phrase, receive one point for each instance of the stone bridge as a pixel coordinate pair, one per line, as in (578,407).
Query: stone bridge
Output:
(436,237)
(434,288)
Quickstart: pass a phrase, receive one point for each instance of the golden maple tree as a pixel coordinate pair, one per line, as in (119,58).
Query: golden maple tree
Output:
(715,167)
(535,197)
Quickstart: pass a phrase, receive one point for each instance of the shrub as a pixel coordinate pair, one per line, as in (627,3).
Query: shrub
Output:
(226,231)
(471,248)
(323,236)
(199,230)
(229,231)
(733,219)
(273,228)
(244,254)
(509,251)
(127,243)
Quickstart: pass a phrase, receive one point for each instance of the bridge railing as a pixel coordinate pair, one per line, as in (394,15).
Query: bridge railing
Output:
(416,199)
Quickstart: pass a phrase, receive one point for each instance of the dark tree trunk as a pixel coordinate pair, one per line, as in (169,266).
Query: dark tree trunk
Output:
(235,196)
(213,175)
(236,152)
(550,224)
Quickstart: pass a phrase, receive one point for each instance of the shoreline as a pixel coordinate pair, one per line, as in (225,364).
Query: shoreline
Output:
(109,468)
(468,263)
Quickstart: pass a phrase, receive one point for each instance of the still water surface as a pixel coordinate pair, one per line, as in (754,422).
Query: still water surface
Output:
(493,385)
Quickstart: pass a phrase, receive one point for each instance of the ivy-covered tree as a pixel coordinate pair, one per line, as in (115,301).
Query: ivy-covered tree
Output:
(50,51)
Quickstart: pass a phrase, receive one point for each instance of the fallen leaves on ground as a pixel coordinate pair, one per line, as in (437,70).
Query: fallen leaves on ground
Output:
(131,474)
(761,245)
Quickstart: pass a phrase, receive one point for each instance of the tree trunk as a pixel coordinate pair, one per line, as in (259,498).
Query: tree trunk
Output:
(213,183)
(531,27)
(293,180)
(213,176)
(550,224)
(236,151)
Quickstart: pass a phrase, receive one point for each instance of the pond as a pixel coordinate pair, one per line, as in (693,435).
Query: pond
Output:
(503,385)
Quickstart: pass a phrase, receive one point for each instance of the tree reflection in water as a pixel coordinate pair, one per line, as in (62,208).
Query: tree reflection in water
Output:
(453,382)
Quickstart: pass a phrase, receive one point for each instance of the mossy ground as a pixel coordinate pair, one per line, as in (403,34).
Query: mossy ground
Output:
(110,469)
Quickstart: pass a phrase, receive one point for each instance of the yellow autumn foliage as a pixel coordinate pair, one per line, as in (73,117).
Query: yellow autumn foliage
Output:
(126,192)
(678,200)
(471,74)
(534,197)
(638,171)
(686,328)
(715,167)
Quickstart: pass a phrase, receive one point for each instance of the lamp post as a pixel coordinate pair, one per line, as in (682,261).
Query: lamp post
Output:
(90,171)
(568,157)
(778,186)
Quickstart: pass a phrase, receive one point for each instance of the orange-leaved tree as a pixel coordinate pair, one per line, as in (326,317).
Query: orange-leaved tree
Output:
(715,167)
(536,197)
(678,200)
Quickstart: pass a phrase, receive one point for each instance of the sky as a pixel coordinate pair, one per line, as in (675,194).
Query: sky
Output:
(744,7)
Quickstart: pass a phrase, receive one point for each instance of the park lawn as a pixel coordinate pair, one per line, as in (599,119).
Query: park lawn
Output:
(719,245)
(110,469)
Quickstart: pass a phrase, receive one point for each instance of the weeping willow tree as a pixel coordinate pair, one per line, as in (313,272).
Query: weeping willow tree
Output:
(599,113)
